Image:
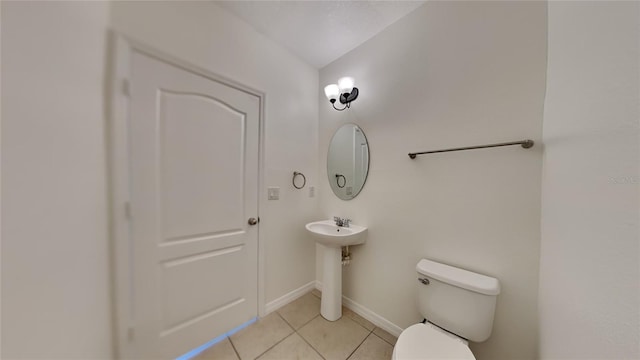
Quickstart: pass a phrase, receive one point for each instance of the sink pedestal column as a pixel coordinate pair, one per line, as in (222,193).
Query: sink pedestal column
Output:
(331,302)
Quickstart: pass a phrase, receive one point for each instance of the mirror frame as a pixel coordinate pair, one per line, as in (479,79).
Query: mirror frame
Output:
(330,176)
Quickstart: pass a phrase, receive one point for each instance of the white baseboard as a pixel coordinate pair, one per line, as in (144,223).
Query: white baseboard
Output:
(288,297)
(376,319)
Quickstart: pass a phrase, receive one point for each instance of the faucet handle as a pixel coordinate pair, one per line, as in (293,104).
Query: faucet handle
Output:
(341,222)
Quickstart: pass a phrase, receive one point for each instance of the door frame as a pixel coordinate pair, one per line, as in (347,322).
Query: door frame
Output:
(122,48)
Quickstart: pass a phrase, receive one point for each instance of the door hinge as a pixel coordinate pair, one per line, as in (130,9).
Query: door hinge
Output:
(127,210)
(126,87)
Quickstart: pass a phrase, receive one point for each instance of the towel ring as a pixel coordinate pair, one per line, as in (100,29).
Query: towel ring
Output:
(304,180)
(344,182)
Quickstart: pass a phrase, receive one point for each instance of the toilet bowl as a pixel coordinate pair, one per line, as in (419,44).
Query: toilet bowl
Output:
(426,341)
(458,304)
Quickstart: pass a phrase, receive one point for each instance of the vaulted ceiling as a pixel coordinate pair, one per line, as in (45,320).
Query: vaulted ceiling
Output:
(320,31)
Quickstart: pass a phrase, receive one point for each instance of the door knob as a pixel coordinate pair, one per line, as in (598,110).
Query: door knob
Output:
(253,221)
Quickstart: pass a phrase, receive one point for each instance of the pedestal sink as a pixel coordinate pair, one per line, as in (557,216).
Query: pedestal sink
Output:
(333,238)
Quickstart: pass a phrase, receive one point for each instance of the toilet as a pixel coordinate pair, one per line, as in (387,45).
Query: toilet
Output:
(458,306)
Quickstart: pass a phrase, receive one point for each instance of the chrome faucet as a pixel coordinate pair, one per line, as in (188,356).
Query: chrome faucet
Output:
(341,222)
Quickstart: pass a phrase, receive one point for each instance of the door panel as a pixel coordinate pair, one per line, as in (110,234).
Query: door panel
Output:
(192,128)
(186,300)
(194,183)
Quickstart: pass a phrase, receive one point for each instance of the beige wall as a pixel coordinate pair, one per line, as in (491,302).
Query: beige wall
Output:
(449,74)
(55,274)
(590,259)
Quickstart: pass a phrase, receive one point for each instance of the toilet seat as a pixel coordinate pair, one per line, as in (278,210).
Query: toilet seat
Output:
(425,341)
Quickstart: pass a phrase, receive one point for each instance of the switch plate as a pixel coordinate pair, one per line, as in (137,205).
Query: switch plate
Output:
(273,193)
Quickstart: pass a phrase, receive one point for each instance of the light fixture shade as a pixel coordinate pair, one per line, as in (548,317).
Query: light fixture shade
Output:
(345,84)
(332,91)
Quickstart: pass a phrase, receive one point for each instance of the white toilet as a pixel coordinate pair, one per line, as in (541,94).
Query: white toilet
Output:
(459,306)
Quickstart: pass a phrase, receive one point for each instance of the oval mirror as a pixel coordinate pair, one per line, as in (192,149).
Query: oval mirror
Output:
(348,161)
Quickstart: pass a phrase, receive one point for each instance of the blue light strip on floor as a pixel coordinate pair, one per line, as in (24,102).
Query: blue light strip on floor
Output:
(209,344)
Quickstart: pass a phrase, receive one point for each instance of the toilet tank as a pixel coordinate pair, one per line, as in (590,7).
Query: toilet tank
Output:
(457,300)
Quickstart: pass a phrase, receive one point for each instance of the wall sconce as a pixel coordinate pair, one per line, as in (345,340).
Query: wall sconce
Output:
(344,91)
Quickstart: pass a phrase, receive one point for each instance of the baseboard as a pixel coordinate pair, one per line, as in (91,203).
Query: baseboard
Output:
(288,297)
(376,319)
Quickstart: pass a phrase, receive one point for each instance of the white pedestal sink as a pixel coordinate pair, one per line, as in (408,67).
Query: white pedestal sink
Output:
(333,238)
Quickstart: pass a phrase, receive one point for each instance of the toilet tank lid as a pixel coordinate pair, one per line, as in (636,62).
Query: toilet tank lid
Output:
(458,277)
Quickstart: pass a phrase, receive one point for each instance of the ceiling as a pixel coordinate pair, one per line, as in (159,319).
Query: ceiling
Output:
(320,31)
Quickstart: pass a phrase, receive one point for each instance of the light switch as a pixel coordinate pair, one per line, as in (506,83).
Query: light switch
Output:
(273,193)
(312,191)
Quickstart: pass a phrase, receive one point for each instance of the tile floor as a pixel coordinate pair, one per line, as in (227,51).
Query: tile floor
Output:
(297,331)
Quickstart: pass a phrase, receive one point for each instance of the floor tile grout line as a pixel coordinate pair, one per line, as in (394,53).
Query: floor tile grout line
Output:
(383,339)
(281,340)
(305,324)
(311,346)
(288,323)
(274,345)
(234,348)
(296,331)
(359,345)
(288,335)
(370,331)
(285,320)
(374,327)
(305,340)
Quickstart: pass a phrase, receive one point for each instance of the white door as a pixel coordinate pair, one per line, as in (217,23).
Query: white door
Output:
(193,187)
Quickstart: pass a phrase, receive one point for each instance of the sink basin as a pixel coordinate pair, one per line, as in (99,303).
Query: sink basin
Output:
(333,238)
(327,233)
